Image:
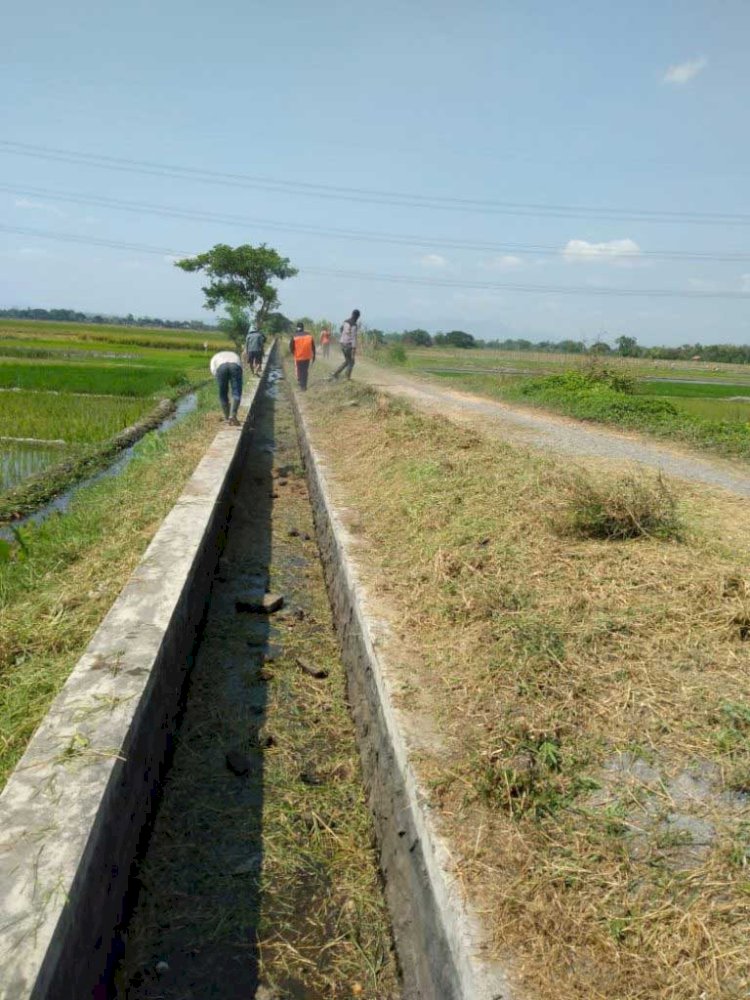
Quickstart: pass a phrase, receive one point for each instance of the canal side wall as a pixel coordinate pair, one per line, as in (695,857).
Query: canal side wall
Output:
(441,948)
(74,811)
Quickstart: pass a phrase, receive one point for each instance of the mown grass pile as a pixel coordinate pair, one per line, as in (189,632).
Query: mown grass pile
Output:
(591,691)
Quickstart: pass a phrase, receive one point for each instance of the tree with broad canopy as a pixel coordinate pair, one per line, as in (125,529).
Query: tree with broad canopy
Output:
(240,278)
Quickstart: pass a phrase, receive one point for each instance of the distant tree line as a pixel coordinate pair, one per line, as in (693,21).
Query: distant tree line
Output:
(72,316)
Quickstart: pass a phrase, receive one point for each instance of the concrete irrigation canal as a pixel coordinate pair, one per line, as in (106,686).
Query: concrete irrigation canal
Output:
(219,802)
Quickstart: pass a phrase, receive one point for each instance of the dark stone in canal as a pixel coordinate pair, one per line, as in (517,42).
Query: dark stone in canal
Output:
(319,673)
(260,603)
(237,762)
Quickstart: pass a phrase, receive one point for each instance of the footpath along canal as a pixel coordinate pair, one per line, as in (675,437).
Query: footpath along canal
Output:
(259,878)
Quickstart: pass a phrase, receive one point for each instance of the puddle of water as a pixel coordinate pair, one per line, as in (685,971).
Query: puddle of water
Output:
(18,460)
(187,404)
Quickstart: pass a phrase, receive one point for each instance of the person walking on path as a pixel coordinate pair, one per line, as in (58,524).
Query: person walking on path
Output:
(226,368)
(348,341)
(254,344)
(302,347)
(325,341)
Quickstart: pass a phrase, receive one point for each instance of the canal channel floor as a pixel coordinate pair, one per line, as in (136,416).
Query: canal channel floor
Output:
(259,880)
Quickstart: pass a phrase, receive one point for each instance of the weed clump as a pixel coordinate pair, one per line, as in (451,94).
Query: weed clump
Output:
(626,508)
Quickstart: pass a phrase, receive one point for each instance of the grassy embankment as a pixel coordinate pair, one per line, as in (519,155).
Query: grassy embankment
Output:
(96,389)
(591,691)
(708,416)
(546,362)
(54,592)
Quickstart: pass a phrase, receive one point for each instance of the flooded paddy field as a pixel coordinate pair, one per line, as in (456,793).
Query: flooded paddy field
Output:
(68,391)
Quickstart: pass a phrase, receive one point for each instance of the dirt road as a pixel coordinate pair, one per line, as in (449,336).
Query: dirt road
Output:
(537,429)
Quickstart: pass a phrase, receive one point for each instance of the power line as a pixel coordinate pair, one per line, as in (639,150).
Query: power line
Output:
(371,195)
(403,279)
(402,239)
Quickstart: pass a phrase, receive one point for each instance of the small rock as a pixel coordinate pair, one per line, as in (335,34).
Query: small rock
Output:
(237,762)
(161,968)
(260,603)
(309,777)
(266,993)
(293,533)
(299,614)
(274,496)
(319,673)
(273,653)
(306,537)
(249,867)
(283,482)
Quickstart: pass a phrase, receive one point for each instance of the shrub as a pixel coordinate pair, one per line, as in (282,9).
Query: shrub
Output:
(397,354)
(630,507)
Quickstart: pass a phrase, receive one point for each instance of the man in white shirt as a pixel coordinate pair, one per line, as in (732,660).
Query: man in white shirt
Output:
(348,341)
(226,367)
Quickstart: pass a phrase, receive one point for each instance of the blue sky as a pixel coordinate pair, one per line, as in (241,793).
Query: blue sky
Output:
(634,108)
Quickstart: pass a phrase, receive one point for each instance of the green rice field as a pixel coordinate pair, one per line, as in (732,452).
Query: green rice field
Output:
(83,384)
(73,419)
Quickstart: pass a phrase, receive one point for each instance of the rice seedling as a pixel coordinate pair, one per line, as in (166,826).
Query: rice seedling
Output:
(74,419)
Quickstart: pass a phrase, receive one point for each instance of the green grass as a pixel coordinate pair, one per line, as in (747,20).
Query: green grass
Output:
(54,592)
(693,390)
(594,396)
(540,362)
(73,419)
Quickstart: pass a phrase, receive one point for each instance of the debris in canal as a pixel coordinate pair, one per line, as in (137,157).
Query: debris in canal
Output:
(319,673)
(260,603)
(237,762)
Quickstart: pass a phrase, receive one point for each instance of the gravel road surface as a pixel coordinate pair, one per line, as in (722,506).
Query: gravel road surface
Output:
(551,432)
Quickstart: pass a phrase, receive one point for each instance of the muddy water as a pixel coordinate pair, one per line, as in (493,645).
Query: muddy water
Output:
(262,884)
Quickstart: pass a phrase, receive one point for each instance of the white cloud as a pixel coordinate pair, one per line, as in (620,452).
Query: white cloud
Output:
(33,252)
(38,206)
(703,285)
(617,250)
(433,260)
(506,262)
(682,73)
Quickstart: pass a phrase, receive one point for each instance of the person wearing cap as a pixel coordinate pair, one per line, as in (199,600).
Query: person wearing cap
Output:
(254,344)
(302,347)
(226,368)
(348,341)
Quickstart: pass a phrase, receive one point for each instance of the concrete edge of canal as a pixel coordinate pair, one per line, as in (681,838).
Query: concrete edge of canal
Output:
(438,939)
(73,812)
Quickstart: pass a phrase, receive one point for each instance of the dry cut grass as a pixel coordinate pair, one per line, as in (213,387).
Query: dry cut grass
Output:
(592,690)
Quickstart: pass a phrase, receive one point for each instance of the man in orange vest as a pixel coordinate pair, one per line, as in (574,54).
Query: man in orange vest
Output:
(302,347)
(325,341)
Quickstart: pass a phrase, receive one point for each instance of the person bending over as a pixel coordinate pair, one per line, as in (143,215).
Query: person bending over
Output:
(226,368)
